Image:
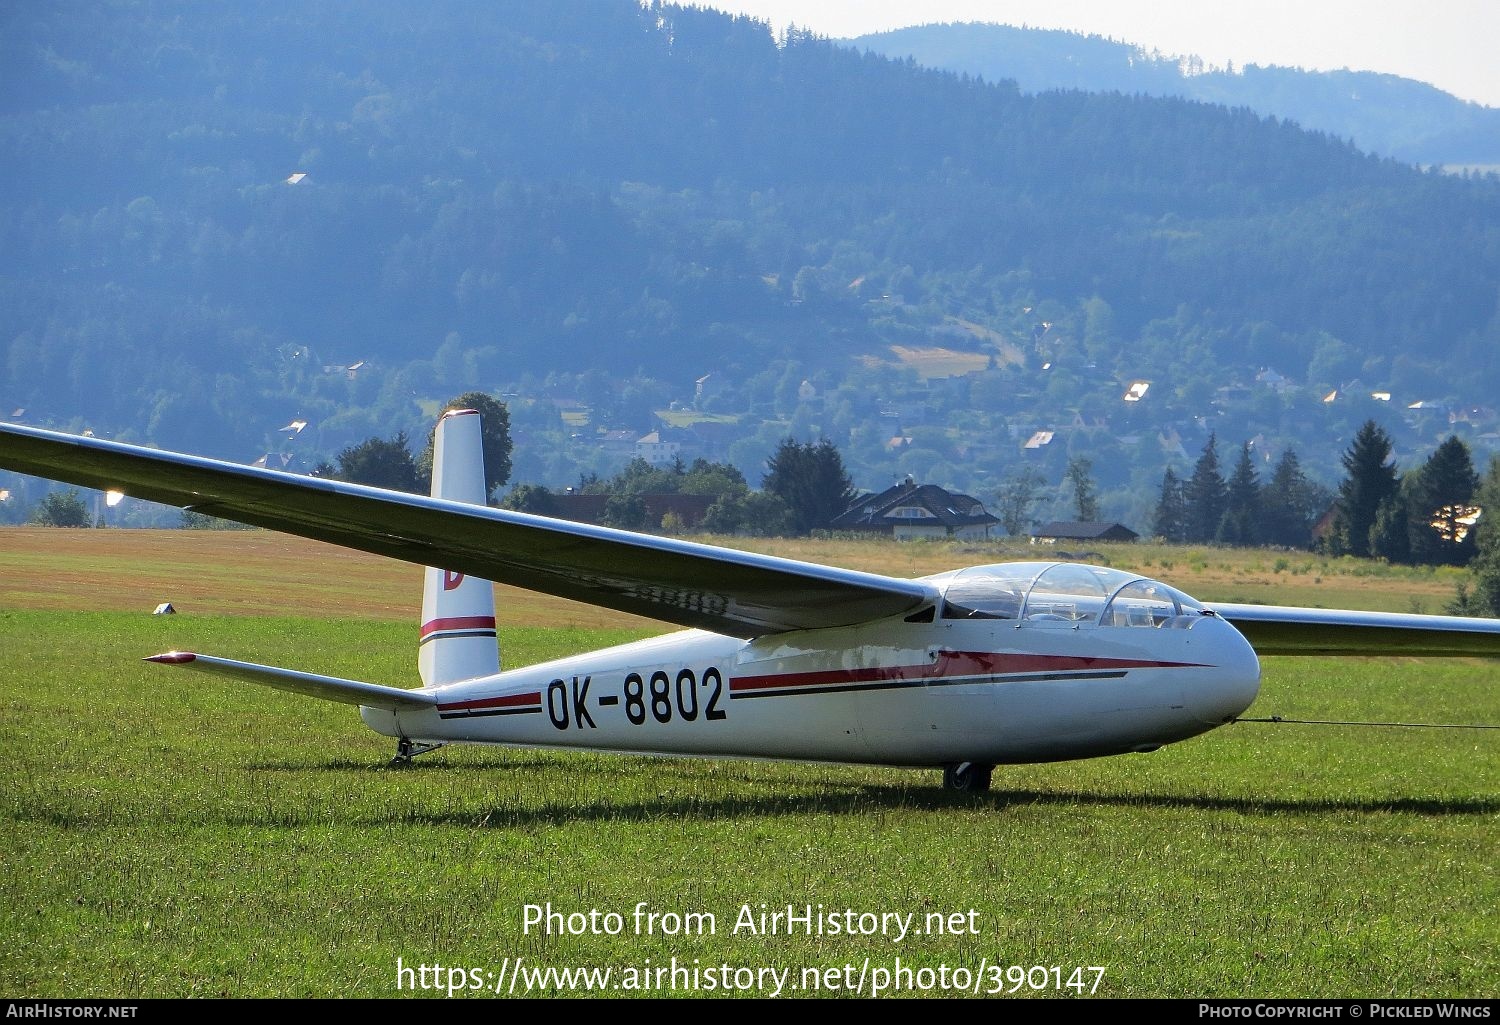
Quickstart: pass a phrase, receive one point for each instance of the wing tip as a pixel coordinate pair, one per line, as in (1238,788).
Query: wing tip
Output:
(172,657)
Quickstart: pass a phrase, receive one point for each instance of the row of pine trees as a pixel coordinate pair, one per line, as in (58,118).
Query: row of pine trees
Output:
(1426,516)
(1240,510)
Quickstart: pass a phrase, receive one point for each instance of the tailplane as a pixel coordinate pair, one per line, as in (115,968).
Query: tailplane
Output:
(458,612)
(329,688)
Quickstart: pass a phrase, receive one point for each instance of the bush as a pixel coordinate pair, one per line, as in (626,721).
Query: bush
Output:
(62,509)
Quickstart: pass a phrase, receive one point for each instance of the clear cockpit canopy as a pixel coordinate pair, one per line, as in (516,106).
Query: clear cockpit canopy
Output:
(1063,592)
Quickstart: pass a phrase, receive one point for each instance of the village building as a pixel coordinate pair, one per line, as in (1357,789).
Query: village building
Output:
(910,510)
(1063,530)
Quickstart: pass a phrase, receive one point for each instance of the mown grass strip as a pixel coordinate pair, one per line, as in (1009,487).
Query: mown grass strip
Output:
(170,835)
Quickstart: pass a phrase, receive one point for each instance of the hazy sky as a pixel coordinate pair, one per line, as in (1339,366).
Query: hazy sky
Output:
(1453,44)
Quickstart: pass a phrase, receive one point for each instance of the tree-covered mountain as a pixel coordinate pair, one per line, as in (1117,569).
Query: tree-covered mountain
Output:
(1381,113)
(221,221)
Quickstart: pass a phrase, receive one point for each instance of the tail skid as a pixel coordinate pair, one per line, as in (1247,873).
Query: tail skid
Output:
(370,696)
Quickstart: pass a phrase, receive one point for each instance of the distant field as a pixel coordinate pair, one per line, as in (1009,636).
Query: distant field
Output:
(934,361)
(235,572)
(263,573)
(167,835)
(1005,351)
(688,417)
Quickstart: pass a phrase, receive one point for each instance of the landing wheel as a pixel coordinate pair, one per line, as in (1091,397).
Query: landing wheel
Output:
(967,777)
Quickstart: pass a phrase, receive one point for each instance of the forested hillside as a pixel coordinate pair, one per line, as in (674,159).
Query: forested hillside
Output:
(1382,113)
(223,220)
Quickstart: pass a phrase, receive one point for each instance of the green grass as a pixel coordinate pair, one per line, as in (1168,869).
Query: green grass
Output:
(172,835)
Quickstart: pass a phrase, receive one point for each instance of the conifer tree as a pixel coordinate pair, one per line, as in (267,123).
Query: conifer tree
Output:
(1170,522)
(1240,524)
(1290,504)
(1486,562)
(1439,499)
(1371,480)
(1204,495)
(1085,501)
(810,478)
(1389,535)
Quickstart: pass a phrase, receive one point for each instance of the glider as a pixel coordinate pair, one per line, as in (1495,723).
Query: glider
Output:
(964,670)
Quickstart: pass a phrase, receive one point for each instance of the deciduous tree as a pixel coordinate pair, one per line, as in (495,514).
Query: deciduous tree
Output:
(626,511)
(380,463)
(531,498)
(61,509)
(1018,493)
(494,433)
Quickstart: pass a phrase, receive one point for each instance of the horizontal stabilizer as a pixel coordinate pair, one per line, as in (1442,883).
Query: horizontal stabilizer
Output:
(329,688)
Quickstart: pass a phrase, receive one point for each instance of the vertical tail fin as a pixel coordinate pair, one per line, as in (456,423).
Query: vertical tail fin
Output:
(458,612)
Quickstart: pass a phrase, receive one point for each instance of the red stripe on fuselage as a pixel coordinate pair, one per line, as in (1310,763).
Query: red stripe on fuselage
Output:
(950,663)
(508,701)
(433,626)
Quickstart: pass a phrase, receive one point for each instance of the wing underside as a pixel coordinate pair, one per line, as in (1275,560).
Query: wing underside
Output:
(718,589)
(1283,630)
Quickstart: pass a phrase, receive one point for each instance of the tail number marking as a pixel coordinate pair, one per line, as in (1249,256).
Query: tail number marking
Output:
(661,697)
(558,704)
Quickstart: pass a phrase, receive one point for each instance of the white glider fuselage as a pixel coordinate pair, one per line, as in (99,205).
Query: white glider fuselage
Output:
(945,691)
(982,666)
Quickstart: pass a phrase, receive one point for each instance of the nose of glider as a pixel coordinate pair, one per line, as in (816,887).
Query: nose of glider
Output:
(1237,682)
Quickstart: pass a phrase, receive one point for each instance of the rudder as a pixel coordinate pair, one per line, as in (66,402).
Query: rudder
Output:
(458,639)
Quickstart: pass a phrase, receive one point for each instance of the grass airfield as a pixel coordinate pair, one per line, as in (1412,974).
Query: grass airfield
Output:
(174,835)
